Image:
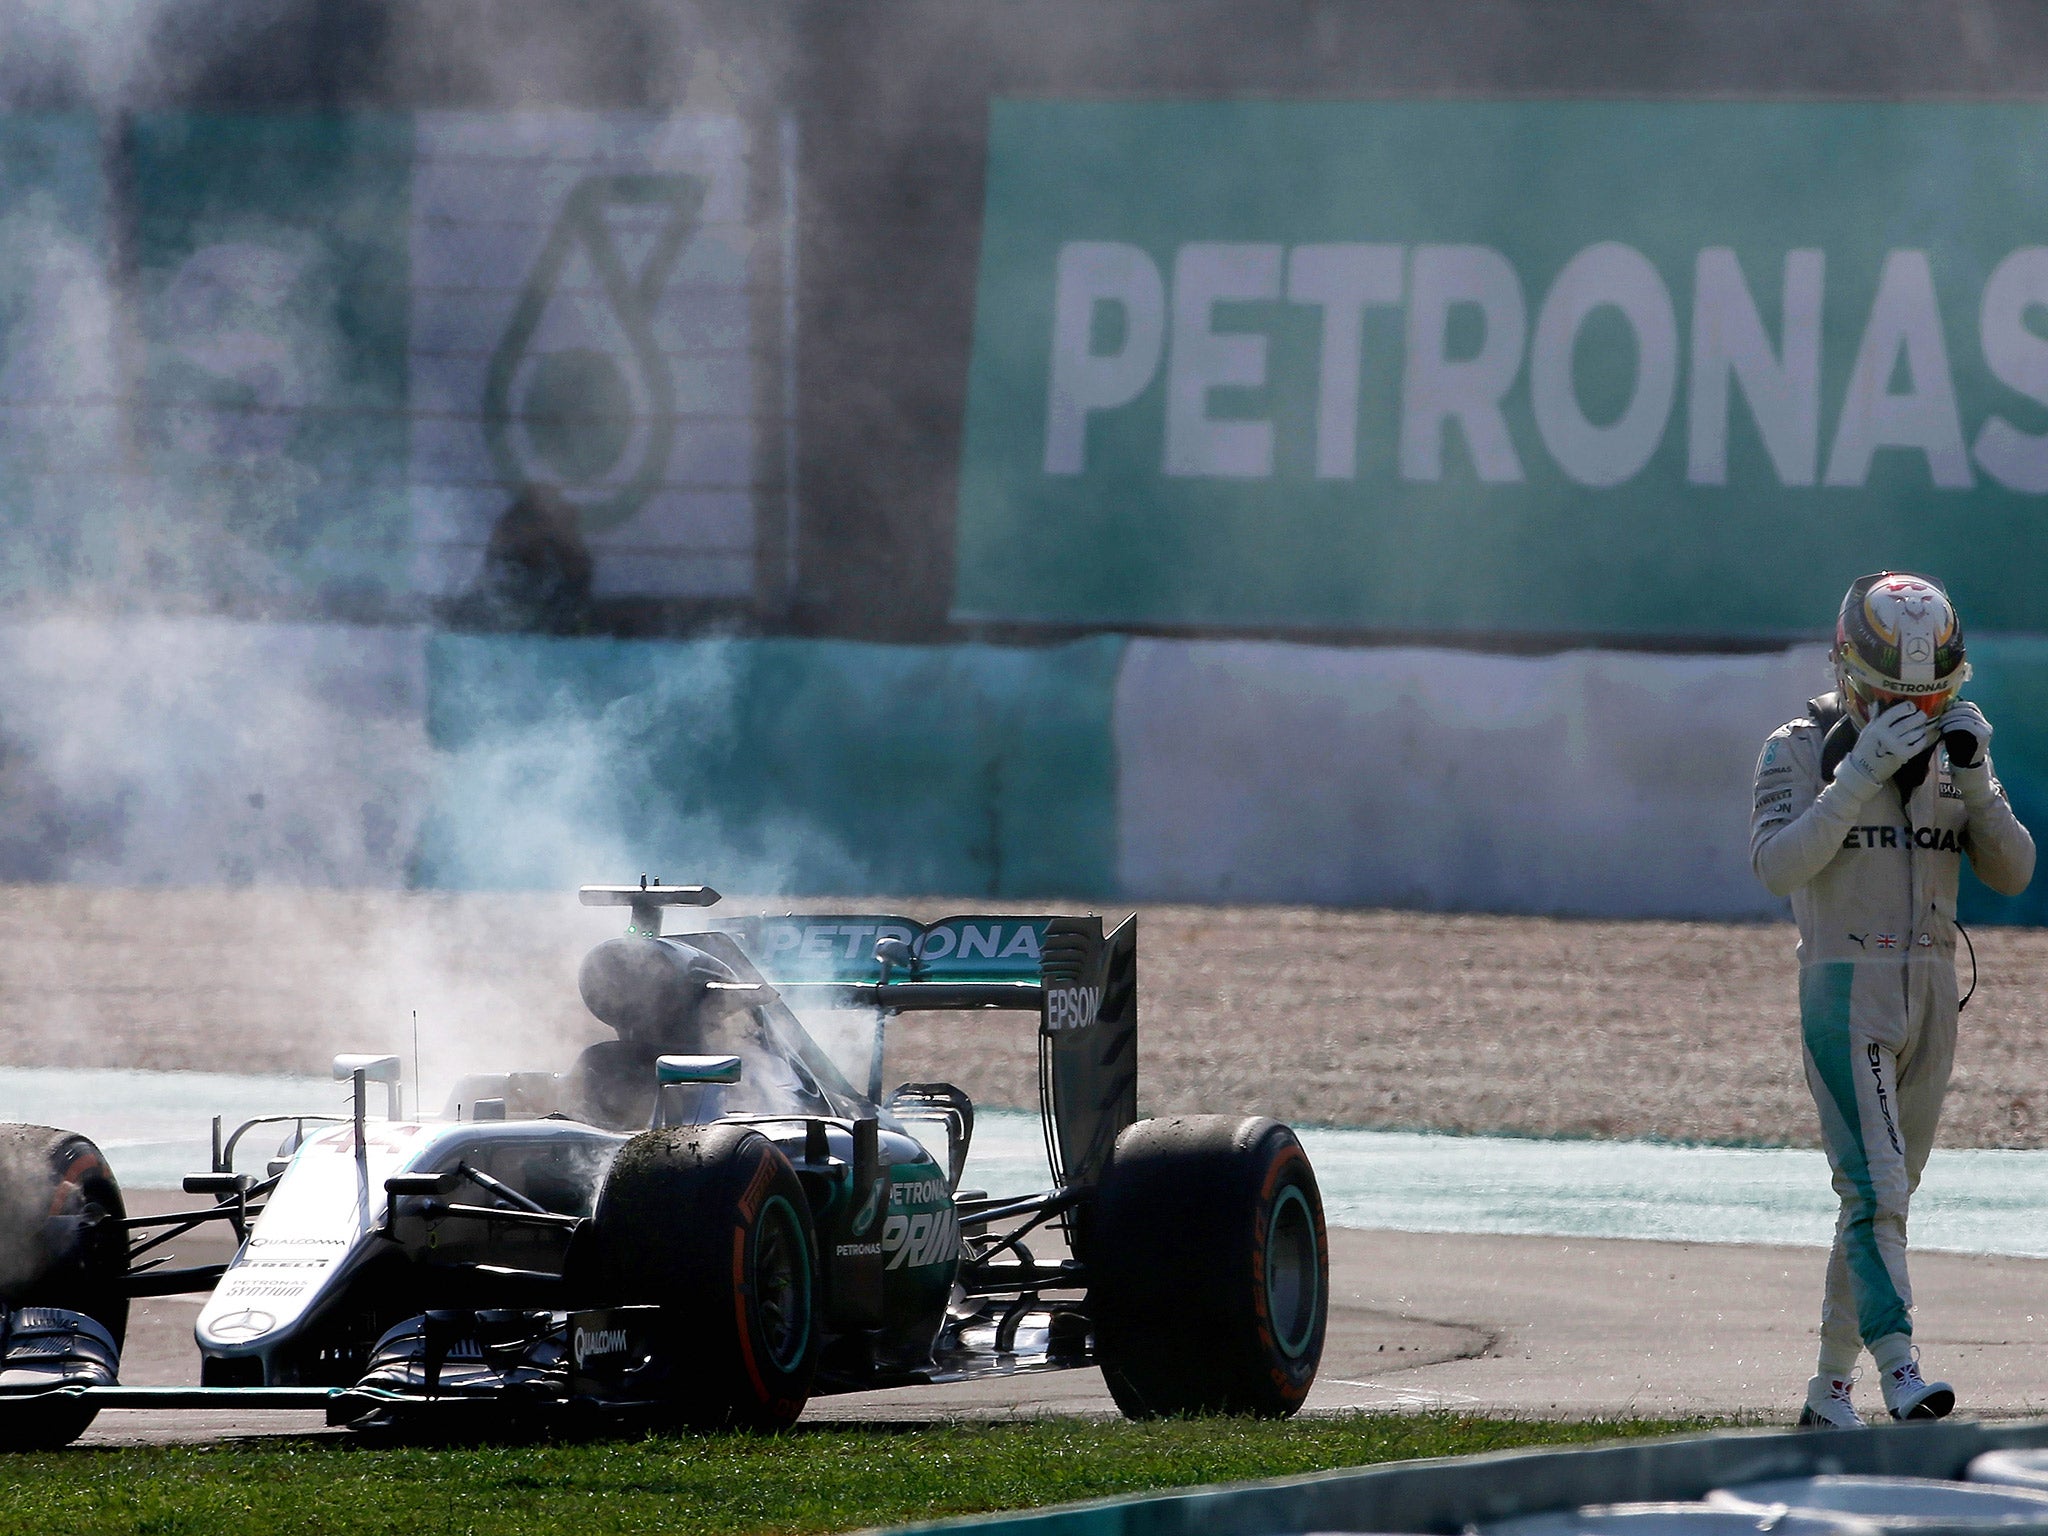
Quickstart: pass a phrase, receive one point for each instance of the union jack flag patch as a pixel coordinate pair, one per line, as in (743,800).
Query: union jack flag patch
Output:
(1887,941)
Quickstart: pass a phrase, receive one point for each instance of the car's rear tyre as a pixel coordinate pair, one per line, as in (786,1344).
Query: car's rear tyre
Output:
(1208,1266)
(61,1213)
(710,1223)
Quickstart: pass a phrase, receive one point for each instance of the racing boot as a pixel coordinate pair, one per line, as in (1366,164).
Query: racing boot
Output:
(1828,1404)
(1909,1396)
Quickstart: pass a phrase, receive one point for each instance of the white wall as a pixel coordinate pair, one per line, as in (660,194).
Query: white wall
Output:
(201,751)
(1589,782)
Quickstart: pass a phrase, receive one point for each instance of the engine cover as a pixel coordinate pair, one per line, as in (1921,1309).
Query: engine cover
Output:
(652,991)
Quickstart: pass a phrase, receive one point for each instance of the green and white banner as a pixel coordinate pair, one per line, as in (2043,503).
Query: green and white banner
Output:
(1594,368)
(338,353)
(580,300)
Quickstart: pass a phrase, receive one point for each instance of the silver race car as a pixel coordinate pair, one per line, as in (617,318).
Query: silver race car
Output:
(706,1220)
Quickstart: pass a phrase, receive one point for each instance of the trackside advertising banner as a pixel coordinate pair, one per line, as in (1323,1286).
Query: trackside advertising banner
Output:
(338,359)
(1565,368)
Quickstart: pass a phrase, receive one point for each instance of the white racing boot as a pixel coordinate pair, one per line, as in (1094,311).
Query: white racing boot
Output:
(1828,1404)
(1910,1397)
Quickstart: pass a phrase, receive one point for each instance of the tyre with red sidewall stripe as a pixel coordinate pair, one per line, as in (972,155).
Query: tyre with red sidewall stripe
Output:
(1208,1268)
(710,1223)
(61,1245)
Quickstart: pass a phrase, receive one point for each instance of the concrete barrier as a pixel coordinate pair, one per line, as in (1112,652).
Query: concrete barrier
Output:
(788,765)
(205,751)
(1456,1492)
(1604,783)
(1595,782)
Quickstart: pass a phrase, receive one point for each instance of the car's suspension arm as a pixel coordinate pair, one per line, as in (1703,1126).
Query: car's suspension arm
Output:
(1040,1208)
(235,1193)
(981,1276)
(982,1279)
(172,1282)
(1043,1206)
(520,1210)
(432,1209)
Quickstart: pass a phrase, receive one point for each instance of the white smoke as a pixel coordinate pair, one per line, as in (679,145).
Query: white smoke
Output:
(99,50)
(173,713)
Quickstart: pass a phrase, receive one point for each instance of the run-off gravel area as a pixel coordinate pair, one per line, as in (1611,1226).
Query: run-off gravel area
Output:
(1684,1031)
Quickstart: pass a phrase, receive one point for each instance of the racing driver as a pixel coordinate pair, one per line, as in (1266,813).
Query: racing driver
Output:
(1864,809)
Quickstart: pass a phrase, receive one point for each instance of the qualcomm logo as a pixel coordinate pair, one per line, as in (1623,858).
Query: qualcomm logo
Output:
(589,1343)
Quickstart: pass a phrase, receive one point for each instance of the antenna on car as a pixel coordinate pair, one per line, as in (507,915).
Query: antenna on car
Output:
(419,1082)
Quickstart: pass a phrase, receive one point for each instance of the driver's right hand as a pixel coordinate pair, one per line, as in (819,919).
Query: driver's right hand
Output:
(1894,736)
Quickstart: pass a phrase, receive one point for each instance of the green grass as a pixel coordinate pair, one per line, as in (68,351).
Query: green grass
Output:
(817,1480)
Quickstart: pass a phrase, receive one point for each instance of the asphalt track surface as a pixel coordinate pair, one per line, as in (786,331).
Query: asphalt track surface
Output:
(1535,1326)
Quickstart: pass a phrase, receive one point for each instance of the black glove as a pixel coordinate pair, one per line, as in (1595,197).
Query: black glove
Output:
(1965,734)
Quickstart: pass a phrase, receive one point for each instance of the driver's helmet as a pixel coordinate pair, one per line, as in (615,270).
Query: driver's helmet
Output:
(1898,637)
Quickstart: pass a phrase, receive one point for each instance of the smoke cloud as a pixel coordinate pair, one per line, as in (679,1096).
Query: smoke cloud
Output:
(249,469)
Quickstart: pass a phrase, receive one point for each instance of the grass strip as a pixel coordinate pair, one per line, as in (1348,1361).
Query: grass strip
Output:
(826,1479)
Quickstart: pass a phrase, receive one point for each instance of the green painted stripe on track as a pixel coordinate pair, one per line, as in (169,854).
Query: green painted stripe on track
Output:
(784,765)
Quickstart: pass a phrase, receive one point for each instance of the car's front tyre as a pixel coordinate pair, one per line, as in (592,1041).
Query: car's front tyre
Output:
(710,1223)
(62,1247)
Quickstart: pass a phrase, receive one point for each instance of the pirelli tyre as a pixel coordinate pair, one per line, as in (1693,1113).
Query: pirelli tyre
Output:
(1208,1268)
(710,1223)
(62,1246)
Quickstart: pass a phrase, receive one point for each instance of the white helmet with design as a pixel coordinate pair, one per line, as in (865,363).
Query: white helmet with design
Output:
(1898,637)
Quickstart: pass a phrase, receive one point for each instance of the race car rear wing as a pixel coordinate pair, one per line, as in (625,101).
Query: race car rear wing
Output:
(1080,981)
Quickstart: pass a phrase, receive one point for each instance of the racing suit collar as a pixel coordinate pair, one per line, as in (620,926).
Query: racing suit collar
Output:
(1838,730)
(1913,773)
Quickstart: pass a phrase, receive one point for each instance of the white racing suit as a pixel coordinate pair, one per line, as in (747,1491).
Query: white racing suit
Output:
(1872,879)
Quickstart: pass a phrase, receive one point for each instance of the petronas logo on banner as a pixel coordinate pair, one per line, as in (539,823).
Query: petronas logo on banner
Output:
(578,393)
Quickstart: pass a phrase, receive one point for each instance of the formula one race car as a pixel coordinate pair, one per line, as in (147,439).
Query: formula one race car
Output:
(704,1221)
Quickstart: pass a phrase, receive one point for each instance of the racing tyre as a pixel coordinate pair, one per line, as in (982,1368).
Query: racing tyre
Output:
(710,1223)
(61,1245)
(1208,1267)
